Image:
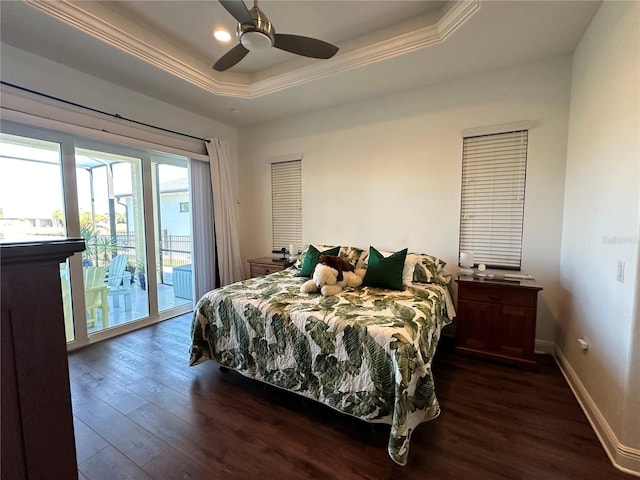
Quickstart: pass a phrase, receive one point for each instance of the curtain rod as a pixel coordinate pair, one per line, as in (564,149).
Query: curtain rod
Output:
(114,115)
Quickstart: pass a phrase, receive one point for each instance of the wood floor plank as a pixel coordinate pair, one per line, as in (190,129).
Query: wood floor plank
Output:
(101,361)
(176,375)
(120,431)
(115,395)
(166,398)
(497,422)
(173,465)
(191,442)
(80,373)
(88,442)
(110,464)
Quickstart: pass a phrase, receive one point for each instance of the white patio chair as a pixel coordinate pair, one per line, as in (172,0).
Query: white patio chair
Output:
(119,281)
(95,296)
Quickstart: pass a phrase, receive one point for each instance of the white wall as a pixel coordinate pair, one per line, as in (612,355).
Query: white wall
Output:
(174,221)
(387,172)
(601,223)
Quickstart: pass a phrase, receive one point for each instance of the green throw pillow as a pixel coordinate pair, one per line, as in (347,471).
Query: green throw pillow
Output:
(311,259)
(385,272)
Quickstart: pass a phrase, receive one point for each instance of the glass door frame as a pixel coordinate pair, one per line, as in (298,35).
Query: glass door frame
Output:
(96,156)
(68,144)
(157,160)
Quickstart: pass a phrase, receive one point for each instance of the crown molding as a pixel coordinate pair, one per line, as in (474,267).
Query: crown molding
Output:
(84,17)
(79,16)
(396,46)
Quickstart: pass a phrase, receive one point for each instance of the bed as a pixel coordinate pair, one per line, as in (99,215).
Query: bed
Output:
(365,352)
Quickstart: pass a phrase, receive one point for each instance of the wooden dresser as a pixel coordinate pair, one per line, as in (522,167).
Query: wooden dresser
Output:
(497,319)
(37,439)
(266,265)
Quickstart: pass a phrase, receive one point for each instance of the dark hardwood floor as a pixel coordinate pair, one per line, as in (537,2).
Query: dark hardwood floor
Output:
(141,413)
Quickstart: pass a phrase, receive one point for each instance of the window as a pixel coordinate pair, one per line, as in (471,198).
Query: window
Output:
(53,184)
(286,204)
(492,205)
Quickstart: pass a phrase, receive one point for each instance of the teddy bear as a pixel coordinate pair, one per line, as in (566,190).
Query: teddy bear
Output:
(331,275)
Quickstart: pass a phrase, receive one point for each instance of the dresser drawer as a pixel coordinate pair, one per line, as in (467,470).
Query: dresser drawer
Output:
(259,267)
(258,270)
(498,294)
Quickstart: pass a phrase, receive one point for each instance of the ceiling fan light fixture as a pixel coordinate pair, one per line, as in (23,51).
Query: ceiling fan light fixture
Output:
(257,36)
(255,33)
(255,41)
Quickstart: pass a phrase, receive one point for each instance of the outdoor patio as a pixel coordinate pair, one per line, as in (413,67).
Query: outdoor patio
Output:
(139,305)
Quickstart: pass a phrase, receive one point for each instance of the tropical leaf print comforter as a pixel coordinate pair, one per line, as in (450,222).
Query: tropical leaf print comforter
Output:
(365,352)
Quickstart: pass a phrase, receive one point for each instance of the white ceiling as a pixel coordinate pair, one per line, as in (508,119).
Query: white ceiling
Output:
(165,49)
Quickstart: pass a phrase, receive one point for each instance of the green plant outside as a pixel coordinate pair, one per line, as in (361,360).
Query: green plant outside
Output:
(99,248)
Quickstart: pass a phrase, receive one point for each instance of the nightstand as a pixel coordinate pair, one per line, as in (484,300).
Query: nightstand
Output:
(497,319)
(266,265)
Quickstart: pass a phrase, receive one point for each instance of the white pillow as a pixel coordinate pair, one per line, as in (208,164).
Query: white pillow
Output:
(409,266)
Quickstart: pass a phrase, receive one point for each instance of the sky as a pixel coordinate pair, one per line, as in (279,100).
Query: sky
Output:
(29,189)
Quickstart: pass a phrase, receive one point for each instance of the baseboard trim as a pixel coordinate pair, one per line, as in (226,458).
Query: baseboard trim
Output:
(624,458)
(544,346)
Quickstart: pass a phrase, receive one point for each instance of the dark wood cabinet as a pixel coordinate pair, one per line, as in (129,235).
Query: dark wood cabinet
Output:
(37,438)
(497,319)
(266,265)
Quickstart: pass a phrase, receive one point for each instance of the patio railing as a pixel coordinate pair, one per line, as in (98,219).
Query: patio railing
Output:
(175,250)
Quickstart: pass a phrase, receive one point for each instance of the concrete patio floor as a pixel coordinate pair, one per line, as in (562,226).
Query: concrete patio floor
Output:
(118,314)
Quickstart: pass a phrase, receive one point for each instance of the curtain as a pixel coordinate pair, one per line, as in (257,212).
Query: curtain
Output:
(227,246)
(204,239)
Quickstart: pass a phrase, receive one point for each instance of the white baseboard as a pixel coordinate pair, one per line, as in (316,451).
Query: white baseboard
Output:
(622,457)
(543,346)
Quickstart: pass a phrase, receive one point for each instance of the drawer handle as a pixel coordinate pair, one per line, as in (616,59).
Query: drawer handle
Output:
(495,298)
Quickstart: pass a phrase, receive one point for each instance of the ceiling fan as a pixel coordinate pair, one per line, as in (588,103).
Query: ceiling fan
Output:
(255,33)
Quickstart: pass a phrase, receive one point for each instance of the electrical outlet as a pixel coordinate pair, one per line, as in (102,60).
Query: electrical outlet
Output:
(620,274)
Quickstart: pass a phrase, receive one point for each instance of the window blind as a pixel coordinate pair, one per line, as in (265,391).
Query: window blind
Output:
(492,204)
(286,204)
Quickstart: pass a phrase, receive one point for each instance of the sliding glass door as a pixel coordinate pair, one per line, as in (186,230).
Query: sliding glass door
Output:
(172,225)
(131,206)
(111,216)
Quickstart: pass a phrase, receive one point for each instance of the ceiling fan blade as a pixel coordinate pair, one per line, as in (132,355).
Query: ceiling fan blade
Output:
(306,46)
(238,10)
(230,58)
